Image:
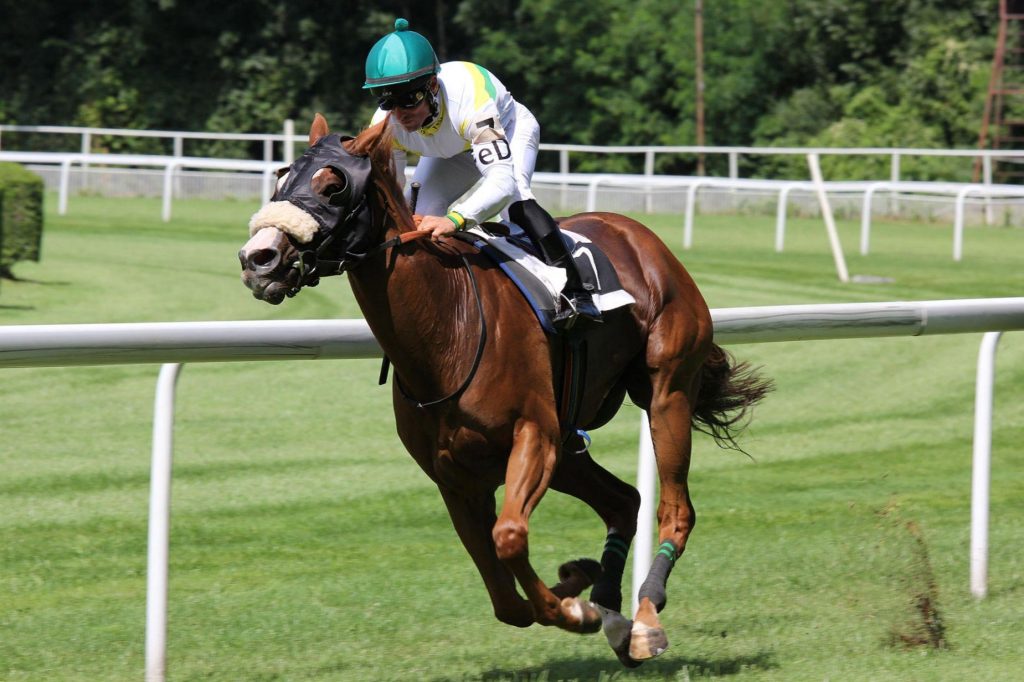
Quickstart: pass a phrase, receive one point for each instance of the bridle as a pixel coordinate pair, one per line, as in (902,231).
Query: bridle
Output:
(346,221)
(312,264)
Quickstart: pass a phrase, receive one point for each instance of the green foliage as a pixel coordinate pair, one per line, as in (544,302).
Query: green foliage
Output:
(801,72)
(21,215)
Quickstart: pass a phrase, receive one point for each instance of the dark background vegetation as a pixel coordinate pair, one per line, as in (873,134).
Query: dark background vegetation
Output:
(785,72)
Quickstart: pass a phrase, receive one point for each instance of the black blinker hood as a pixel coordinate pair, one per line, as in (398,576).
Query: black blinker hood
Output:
(345,220)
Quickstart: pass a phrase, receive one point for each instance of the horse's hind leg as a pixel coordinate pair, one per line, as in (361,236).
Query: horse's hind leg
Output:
(530,466)
(617,503)
(673,394)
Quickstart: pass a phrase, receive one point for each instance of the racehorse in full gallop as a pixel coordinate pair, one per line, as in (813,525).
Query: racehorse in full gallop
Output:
(477,380)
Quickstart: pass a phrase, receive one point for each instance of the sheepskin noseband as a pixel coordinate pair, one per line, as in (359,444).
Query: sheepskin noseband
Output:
(286,217)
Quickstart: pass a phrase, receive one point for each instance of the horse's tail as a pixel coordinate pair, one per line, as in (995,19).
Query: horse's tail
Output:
(728,390)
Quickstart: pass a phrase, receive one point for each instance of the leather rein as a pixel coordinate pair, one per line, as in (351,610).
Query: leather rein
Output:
(481,337)
(311,267)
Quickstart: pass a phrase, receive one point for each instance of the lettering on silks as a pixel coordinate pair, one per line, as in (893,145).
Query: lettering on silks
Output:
(498,150)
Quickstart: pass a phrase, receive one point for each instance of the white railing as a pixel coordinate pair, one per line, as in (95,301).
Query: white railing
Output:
(288,139)
(169,164)
(264,173)
(691,185)
(174,343)
(177,138)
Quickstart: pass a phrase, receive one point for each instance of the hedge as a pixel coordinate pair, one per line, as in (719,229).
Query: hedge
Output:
(21,215)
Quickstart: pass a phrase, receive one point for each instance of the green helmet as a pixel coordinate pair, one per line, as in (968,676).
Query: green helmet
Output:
(400,57)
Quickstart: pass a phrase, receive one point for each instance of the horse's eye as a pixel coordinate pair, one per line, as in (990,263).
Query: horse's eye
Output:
(334,186)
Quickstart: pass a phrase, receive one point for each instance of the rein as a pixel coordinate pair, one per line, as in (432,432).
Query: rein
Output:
(405,238)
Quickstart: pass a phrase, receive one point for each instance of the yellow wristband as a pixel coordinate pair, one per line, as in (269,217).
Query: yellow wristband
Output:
(456,218)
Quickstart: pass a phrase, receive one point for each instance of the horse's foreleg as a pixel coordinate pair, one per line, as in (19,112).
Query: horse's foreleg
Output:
(473,520)
(530,467)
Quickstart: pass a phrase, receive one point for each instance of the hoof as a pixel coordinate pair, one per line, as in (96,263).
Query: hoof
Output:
(586,616)
(617,631)
(646,642)
(576,576)
(584,570)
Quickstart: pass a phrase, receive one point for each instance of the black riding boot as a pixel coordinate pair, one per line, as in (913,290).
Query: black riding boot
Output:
(545,235)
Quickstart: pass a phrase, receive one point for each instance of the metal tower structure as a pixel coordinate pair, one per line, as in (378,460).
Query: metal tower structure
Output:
(1002,125)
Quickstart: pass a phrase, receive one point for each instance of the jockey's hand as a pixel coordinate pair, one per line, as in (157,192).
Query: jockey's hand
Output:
(437,226)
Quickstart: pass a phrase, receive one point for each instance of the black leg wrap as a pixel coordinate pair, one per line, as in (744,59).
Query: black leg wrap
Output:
(654,586)
(607,590)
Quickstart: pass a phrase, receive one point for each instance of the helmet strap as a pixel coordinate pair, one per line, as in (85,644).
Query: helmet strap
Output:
(434,102)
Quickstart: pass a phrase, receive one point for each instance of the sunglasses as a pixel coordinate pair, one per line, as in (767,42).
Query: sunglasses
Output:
(406,100)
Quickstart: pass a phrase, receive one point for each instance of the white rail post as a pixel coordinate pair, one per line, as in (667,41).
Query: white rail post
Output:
(830,223)
(780,217)
(981,463)
(168,191)
(289,147)
(648,171)
(645,485)
(267,185)
(865,217)
(65,181)
(179,151)
(958,222)
(986,178)
(592,192)
(160,524)
(691,210)
(894,177)
(563,169)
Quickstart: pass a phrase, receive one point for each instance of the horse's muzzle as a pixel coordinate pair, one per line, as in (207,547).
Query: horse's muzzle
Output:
(266,262)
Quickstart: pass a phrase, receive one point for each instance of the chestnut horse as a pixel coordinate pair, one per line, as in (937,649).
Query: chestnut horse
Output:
(476,377)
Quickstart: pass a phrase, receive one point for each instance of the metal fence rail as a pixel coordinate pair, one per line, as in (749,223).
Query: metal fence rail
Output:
(287,140)
(555,188)
(174,343)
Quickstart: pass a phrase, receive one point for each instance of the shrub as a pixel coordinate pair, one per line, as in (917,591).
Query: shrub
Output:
(21,216)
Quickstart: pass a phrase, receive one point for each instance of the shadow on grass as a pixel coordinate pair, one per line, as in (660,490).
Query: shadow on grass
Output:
(5,273)
(601,669)
(17,307)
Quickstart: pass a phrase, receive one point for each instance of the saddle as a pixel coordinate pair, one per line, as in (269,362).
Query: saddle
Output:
(541,284)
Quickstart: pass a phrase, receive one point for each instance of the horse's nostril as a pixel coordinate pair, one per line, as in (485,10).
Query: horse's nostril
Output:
(263,258)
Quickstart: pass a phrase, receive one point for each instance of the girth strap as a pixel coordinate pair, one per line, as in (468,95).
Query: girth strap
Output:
(574,371)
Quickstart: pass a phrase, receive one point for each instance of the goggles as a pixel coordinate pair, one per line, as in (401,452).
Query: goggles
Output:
(405,100)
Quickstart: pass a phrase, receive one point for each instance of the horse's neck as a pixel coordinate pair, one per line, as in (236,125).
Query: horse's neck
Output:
(421,311)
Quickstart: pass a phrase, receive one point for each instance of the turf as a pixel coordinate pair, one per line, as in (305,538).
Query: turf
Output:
(306,545)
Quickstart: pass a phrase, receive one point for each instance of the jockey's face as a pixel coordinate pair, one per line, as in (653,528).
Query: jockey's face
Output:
(412,119)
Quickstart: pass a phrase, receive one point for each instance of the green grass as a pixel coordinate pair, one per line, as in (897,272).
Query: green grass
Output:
(306,545)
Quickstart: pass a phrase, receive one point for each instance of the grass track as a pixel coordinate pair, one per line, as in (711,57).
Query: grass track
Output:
(307,546)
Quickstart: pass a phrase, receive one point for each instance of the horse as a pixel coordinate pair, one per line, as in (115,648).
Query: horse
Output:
(477,379)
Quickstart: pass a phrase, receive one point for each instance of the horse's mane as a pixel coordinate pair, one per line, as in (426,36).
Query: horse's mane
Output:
(376,142)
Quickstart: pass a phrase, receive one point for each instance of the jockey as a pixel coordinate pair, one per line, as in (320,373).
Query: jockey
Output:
(465,126)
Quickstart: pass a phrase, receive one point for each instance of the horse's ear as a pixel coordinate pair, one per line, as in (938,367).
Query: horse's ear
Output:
(318,130)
